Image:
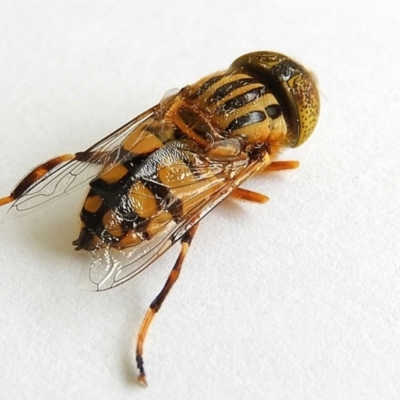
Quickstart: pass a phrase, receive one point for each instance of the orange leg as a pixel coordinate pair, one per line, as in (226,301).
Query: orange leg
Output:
(280,165)
(248,195)
(158,301)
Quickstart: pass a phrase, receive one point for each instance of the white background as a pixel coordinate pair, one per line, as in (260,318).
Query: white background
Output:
(297,299)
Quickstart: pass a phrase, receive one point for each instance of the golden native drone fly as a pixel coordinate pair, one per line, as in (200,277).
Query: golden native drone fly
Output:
(152,181)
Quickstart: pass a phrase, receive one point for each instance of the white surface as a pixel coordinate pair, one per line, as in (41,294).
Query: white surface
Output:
(298,299)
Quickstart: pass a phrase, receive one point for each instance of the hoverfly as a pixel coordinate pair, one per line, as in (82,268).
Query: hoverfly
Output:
(154,179)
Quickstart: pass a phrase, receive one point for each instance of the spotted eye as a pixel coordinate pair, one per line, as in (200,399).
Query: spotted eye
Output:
(295,89)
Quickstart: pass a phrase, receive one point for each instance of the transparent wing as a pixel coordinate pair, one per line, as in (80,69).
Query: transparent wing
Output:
(214,182)
(68,176)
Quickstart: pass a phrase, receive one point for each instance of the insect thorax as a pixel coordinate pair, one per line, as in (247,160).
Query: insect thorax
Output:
(231,104)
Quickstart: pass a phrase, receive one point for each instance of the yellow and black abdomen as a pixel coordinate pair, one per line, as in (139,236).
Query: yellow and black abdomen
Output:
(107,216)
(131,203)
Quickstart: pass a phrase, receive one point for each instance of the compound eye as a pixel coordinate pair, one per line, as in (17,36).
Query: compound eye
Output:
(303,89)
(294,87)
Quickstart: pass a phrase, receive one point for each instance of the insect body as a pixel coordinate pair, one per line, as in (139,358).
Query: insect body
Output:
(154,179)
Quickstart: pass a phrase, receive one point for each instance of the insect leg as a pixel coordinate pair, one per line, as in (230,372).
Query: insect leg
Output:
(248,195)
(43,169)
(157,302)
(34,176)
(280,165)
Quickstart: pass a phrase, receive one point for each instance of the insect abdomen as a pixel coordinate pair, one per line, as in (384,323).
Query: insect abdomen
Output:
(130,203)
